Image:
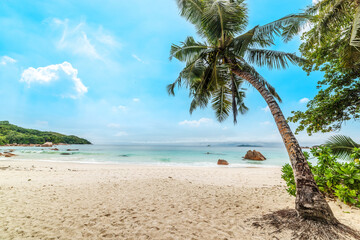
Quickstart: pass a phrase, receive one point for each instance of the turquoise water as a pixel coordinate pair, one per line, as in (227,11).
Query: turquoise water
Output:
(153,155)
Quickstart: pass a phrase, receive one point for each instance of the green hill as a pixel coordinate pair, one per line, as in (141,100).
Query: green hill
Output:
(10,134)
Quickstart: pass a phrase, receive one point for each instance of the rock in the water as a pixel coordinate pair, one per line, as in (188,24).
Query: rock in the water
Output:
(222,162)
(54,149)
(47,144)
(7,154)
(254,155)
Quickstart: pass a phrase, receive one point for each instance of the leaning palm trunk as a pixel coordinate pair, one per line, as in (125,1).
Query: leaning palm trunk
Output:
(310,203)
(209,75)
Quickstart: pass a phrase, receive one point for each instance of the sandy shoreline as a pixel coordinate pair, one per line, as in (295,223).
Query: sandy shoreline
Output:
(49,200)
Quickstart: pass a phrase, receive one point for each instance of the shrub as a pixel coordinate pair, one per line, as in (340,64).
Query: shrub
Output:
(334,179)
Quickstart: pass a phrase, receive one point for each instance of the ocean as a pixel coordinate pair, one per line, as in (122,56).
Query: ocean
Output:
(159,155)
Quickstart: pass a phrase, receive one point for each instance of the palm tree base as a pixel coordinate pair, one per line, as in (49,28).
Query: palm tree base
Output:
(310,204)
(300,228)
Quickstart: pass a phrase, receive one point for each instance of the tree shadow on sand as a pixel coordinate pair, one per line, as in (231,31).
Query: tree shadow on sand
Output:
(288,220)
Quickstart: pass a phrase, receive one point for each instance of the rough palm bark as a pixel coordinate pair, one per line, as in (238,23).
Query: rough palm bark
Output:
(310,203)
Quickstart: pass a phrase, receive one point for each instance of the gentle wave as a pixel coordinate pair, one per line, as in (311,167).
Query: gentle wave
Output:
(153,155)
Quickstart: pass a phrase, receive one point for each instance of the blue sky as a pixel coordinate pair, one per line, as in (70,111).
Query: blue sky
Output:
(99,69)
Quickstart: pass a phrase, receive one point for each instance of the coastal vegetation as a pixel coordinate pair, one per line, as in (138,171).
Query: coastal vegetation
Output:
(216,69)
(10,134)
(335,179)
(331,45)
(343,147)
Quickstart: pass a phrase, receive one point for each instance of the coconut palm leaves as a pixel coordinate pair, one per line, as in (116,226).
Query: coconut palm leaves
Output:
(355,34)
(271,58)
(342,146)
(222,19)
(327,17)
(207,73)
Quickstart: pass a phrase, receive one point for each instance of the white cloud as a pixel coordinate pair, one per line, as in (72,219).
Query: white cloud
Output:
(56,72)
(113,125)
(266,109)
(197,123)
(304,100)
(137,58)
(120,107)
(4,60)
(266,123)
(82,40)
(136,99)
(121,134)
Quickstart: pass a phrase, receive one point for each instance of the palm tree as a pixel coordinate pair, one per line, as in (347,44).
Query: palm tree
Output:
(355,34)
(342,146)
(328,18)
(216,68)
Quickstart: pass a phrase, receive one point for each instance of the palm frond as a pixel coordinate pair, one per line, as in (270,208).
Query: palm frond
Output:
(171,87)
(295,26)
(272,59)
(188,50)
(355,34)
(319,6)
(223,19)
(192,10)
(200,100)
(288,24)
(238,95)
(221,103)
(233,97)
(193,71)
(341,146)
(334,16)
(239,44)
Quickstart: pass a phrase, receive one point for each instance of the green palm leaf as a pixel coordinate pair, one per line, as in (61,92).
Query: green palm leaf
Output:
(239,44)
(288,23)
(272,59)
(355,34)
(223,18)
(238,95)
(192,10)
(342,146)
(221,103)
(188,50)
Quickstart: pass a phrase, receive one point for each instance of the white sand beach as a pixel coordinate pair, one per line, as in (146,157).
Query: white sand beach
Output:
(47,200)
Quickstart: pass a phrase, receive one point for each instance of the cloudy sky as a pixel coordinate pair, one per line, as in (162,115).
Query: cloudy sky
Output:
(99,69)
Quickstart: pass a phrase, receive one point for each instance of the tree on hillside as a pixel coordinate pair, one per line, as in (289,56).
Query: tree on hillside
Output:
(332,45)
(216,68)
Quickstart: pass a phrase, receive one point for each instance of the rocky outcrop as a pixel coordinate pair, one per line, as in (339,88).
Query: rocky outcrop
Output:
(7,154)
(254,155)
(31,145)
(222,162)
(47,144)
